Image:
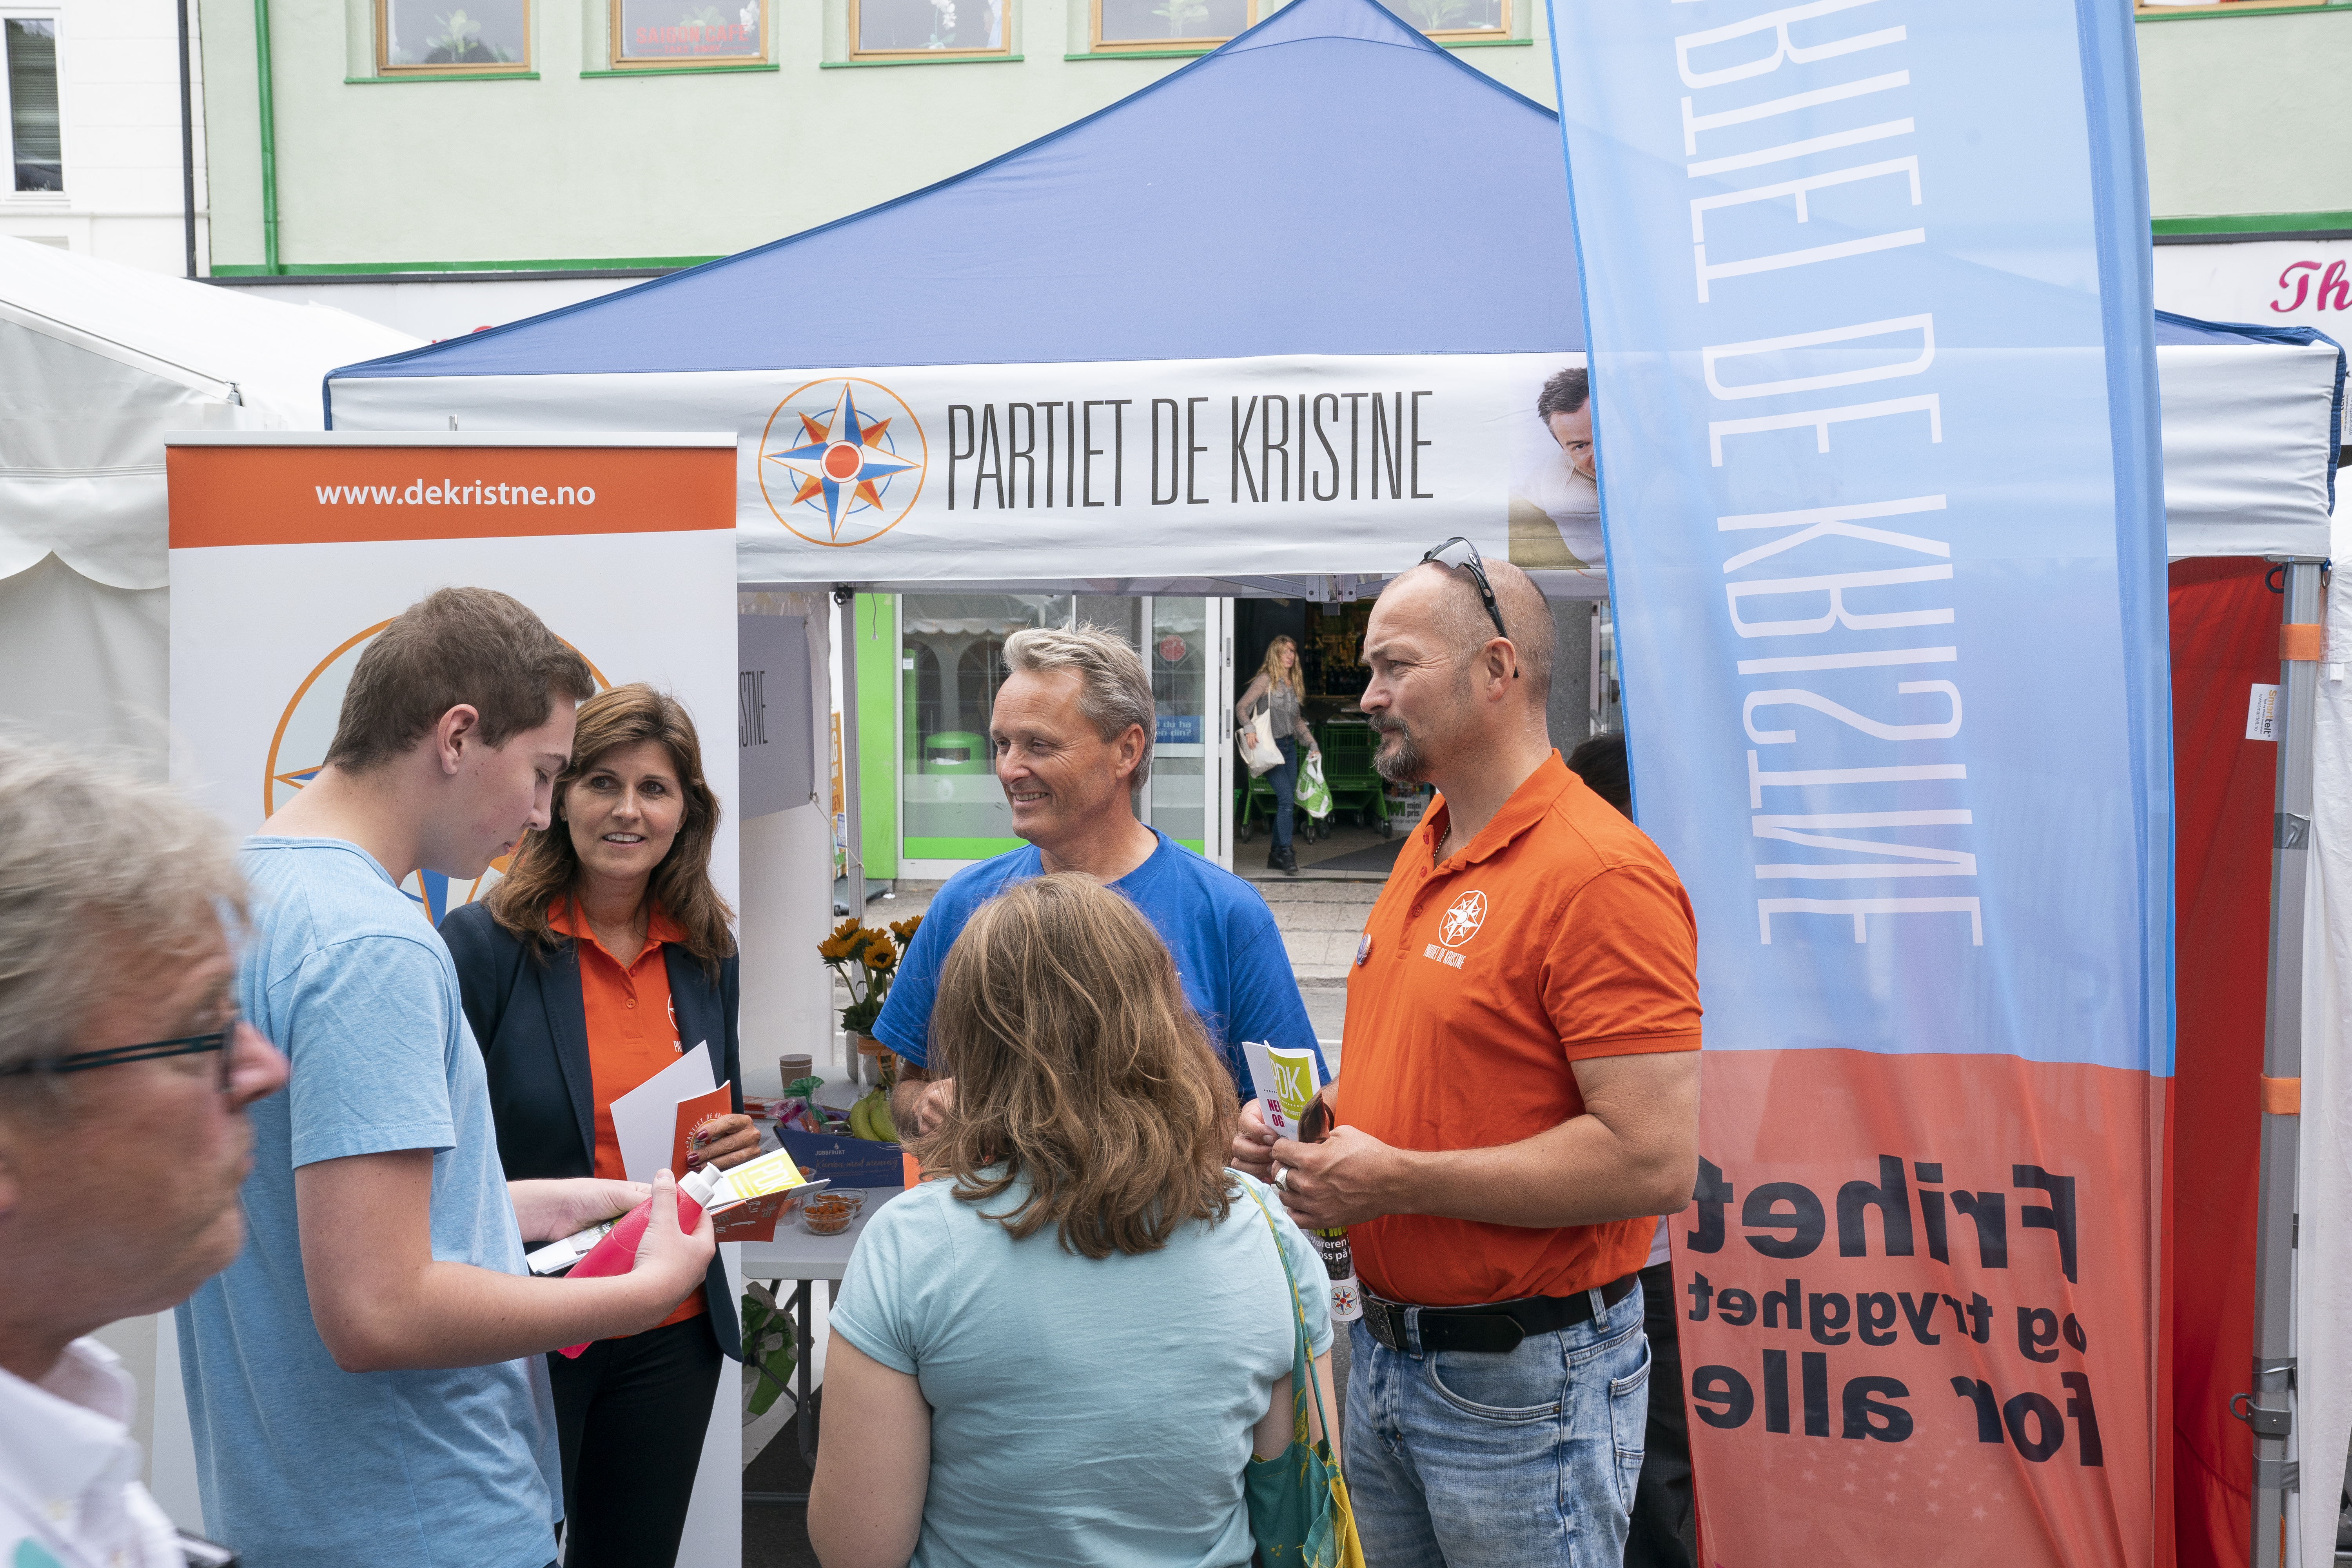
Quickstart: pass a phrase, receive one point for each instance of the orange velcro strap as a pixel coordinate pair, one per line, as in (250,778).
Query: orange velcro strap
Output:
(2282,1097)
(2299,639)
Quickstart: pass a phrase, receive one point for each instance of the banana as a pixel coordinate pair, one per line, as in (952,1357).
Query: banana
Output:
(883,1123)
(859,1127)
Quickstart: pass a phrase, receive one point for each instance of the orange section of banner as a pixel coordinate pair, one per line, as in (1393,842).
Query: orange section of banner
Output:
(1915,1302)
(322,494)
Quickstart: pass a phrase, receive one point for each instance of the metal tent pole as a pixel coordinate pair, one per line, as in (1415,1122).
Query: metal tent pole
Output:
(2269,1409)
(854,851)
(187,143)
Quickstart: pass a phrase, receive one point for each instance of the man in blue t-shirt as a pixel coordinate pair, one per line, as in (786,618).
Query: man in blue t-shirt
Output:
(364,1382)
(1072,731)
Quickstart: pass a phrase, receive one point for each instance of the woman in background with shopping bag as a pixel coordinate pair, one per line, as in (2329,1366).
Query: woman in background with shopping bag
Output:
(1274,696)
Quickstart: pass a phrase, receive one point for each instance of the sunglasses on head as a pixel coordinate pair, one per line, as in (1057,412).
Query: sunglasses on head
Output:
(1459,551)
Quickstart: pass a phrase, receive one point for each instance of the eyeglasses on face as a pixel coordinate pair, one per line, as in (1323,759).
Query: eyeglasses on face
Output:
(222,1040)
(1459,551)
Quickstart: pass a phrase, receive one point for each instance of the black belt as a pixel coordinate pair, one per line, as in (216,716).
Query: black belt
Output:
(1497,1327)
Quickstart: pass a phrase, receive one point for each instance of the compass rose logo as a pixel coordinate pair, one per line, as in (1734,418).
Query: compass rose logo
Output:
(298,749)
(841,461)
(1462,919)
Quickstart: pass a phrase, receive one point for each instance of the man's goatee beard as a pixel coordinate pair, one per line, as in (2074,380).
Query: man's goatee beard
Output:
(1401,764)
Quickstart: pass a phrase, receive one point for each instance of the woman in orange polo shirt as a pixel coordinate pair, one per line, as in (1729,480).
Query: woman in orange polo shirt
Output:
(603,953)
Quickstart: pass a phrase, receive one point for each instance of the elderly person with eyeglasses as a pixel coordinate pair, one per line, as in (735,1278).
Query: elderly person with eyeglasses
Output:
(104,882)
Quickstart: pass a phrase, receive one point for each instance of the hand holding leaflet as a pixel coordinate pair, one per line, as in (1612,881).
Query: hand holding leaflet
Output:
(690,1121)
(617,1252)
(1286,1082)
(1288,1085)
(744,1202)
(645,1118)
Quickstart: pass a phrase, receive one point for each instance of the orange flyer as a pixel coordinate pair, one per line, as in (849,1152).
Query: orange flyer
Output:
(694,1117)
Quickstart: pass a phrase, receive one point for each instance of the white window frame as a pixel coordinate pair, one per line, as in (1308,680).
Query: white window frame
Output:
(11,198)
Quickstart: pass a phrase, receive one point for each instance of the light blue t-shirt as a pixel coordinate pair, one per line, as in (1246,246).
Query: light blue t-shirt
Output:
(1092,1411)
(1228,952)
(303,1464)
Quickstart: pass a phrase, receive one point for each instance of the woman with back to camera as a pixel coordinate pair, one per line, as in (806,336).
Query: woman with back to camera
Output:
(1280,687)
(1064,1346)
(603,955)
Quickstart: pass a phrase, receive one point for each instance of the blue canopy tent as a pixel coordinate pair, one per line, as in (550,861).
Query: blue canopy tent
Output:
(1329,182)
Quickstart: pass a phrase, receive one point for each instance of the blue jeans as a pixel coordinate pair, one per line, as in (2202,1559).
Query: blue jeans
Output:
(1285,780)
(1474,1459)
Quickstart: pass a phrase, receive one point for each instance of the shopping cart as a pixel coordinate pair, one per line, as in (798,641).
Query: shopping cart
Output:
(1257,806)
(1356,788)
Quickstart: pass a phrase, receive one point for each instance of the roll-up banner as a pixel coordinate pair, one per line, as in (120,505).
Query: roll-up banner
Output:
(291,550)
(1875,408)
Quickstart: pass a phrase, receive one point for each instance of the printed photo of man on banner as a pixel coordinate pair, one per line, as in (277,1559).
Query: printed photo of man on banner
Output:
(1871,358)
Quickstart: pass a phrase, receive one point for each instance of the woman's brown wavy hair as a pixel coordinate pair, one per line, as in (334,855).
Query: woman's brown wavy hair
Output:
(1080,1072)
(545,866)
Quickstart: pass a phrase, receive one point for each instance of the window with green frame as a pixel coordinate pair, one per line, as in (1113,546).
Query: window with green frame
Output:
(2210,7)
(453,36)
(1120,24)
(669,33)
(909,30)
(1445,19)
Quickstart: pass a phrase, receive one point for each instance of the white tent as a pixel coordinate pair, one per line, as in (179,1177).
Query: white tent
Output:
(97,362)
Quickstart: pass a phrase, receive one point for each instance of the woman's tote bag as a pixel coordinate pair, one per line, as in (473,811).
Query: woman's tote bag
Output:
(1257,741)
(1298,1510)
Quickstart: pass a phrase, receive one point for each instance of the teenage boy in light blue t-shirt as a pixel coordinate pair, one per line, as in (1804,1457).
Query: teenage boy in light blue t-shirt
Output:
(363,1382)
(1071,732)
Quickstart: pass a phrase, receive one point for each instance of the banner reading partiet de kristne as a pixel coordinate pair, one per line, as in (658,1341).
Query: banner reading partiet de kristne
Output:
(1875,403)
(1284,464)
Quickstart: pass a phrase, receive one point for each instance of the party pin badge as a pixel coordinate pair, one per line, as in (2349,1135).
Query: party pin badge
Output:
(1363,948)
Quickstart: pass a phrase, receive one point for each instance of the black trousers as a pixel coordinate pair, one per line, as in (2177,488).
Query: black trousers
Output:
(631,1415)
(1665,1532)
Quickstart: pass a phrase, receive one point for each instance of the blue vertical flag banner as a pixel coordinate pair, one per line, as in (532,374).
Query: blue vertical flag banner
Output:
(1867,286)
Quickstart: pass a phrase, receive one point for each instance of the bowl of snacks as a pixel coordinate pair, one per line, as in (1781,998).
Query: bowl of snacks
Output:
(831,1212)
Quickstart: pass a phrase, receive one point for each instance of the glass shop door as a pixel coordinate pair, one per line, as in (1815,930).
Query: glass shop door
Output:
(951,812)
(1189,653)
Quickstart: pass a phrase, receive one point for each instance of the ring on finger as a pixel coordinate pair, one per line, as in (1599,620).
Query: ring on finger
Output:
(1281,1177)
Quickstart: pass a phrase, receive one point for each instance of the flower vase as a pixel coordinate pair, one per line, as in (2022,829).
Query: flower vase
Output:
(866,1057)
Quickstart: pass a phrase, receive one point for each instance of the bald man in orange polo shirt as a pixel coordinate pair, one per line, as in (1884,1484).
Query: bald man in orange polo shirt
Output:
(1520,1100)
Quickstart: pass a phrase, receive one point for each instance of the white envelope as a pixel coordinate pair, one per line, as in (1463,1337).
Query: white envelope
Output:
(645,1118)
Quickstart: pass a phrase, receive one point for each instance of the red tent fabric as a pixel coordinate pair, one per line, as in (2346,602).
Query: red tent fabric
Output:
(2224,641)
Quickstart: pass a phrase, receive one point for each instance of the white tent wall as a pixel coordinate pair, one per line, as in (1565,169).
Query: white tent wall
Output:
(787,890)
(2248,447)
(2322,1282)
(97,362)
(85,663)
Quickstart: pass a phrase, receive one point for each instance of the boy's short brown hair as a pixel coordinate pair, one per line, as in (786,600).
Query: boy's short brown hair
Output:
(471,646)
